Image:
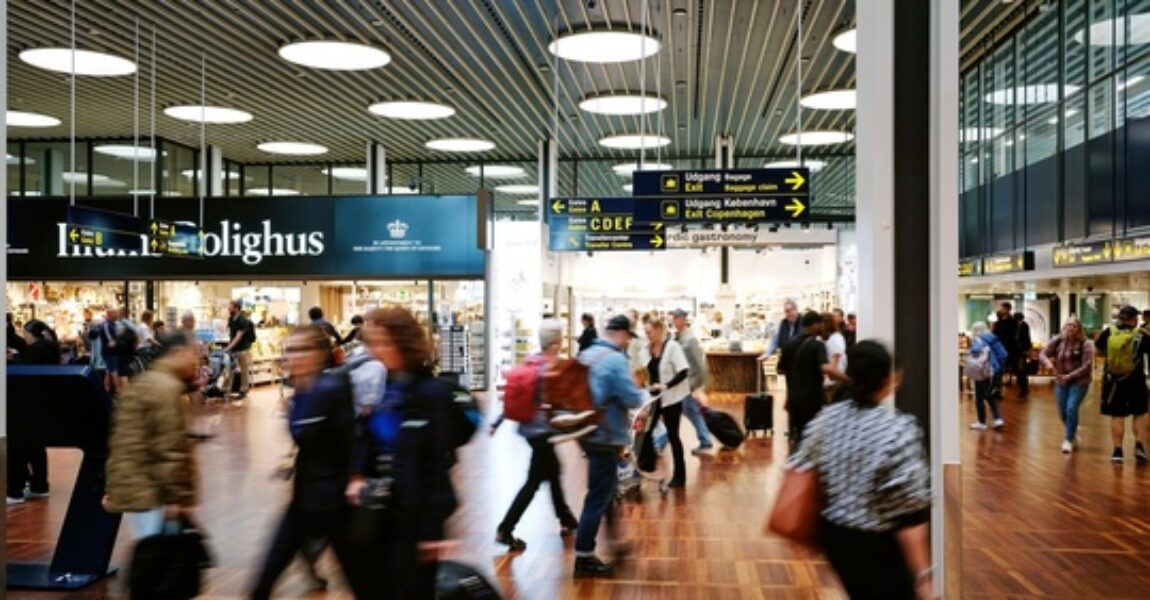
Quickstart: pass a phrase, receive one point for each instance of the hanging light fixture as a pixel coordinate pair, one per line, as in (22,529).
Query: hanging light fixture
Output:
(604,47)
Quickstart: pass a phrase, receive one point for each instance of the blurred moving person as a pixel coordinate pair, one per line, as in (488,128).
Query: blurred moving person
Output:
(151,474)
(986,347)
(242,336)
(315,314)
(698,376)
(875,484)
(667,371)
(1071,357)
(110,357)
(1124,392)
(545,466)
(403,460)
(322,424)
(1024,345)
(614,393)
(1006,330)
(589,334)
(28,466)
(805,364)
(836,345)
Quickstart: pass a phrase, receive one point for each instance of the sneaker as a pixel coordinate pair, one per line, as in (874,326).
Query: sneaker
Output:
(999,423)
(238,402)
(978,426)
(513,543)
(15,501)
(702,450)
(1117,457)
(1139,452)
(1067,447)
(590,566)
(31,495)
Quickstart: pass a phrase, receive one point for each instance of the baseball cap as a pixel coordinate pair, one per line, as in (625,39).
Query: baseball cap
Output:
(678,312)
(620,323)
(1128,312)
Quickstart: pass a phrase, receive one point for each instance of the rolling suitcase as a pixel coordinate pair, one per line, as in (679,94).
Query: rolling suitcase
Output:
(723,427)
(759,410)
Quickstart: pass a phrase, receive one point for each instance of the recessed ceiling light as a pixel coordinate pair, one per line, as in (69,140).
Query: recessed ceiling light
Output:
(142,192)
(1102,33)
(816,138)
(1041,93)
(207,114)
(125,151)
(293,148)
(626,169)
(627,187)
(411,110)
(634,141)
(334,56)
(86,62)
(460,145)
(847,41)
(98,180)
(831,100)
(518,189)
(347,173)
(604,46)
(272,192)
(814,165)
(19,118)
(528,202)
(498,171)
(623,104)
(975,134)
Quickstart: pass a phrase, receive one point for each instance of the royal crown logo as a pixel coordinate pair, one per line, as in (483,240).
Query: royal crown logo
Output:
(398,229)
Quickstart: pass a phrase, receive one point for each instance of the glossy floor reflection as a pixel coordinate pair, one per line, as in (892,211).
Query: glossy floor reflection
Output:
(1037,523)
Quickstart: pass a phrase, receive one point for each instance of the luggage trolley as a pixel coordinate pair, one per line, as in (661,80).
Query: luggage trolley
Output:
(631,477)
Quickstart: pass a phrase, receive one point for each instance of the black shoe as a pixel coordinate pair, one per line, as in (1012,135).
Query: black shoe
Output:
(1139,452)
(568,525)
(590,566)
(513,543)
(621,551)
(1117,457)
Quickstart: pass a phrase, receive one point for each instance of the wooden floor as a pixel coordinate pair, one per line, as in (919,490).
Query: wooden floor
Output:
(1037,524)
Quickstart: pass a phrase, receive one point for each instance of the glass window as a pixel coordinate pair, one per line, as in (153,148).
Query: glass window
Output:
(1074,115)
(516,188)
(1074,43)
(1041,137)
(1101,99)
(1137,28)
(299,180)
(14,160)
(180,170)
(404,179)
(971,109)
(456,178)
(116,170)
(1101,35)
(1003,149)
(349,179)
(256,180)
(998,89)
(1041,59)
(970,179)
(231,178)
(49,173)
(1136,89)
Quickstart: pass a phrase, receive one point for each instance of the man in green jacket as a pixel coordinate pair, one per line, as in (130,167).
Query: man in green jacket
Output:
(151,474)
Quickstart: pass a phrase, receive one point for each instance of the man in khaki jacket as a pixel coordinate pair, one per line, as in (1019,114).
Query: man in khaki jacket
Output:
(151,473)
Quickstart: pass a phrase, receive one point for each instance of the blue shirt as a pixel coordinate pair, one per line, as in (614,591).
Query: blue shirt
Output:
(613,391)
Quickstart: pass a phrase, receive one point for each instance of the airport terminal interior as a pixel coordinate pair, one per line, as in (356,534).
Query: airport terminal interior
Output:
(540,299)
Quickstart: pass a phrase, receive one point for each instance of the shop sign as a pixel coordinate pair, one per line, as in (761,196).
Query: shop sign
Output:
(739,237)
(1079,254)
(970,267)
(728,195)
(359,236)
(1008,263)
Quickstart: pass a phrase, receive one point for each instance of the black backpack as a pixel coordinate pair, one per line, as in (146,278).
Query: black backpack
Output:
(127,340)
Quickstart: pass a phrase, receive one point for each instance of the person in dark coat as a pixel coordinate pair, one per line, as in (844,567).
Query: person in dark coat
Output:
(28,466)
(589,334)
(1023,346)
(1006,330)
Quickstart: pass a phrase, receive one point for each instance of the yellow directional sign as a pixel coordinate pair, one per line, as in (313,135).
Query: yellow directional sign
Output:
(796,208)
(796,180)
(657,241)
(573,241)
(74,235)
(558,206)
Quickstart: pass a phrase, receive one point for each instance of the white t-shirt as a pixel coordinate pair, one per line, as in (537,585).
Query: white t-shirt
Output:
(673,361)
(145,334)
(837,344)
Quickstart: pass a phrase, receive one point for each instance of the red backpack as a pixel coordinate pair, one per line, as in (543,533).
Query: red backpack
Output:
(521,393)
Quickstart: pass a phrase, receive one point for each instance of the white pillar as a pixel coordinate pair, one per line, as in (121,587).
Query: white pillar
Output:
(215,171)
(946,450)
(376,169)
(874,173)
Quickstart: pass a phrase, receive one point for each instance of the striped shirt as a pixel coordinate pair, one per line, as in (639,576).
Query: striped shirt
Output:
(871,466)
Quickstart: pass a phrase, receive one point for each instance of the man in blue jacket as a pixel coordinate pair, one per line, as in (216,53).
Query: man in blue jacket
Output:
(614,393)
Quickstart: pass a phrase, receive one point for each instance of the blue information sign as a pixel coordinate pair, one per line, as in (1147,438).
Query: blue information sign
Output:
(604,224)
(102,229)
(728,195)
(175,239)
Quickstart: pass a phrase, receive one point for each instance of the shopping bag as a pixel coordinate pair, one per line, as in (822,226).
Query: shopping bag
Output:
(169,565)
(798,508)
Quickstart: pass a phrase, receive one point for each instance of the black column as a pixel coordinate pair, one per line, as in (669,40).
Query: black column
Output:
(912,153)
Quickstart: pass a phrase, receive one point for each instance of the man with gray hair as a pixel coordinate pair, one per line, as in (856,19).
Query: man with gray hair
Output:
(788,330)
(544,465)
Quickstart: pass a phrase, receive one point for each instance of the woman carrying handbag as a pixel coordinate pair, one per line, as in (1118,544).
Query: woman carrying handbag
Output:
(859,486)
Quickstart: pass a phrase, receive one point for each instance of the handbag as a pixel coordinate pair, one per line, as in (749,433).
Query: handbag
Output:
(797,510)
(169,565)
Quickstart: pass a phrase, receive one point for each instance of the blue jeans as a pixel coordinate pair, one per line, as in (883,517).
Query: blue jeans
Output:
(602,479)
(694,414)
(1070,398)
(982,397)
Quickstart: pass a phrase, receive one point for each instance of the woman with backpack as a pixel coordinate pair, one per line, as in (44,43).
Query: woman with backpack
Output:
(1071,358)
(1124,392)
(987,357)
(402,484)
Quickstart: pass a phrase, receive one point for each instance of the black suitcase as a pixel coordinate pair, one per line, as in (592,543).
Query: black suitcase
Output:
(759,414)
(723,427)
(457,581)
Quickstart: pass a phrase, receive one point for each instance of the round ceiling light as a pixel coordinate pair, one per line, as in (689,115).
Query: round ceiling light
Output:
(831,100)
(272,192)
(814,165)
(411,110)
(847,41)
(85,62)
(635,141)
(604,46)
(347,173)
(125,151)
(534,202)
(626,169)
(1102,33)
(460,145)
(623,104)
(1041,93)
(518,189)
(334,56)
(207,114)
(498,171)
(816,138)
(292,148)
(19,118)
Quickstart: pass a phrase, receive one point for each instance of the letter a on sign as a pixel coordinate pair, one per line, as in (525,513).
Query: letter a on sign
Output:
(595,206)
